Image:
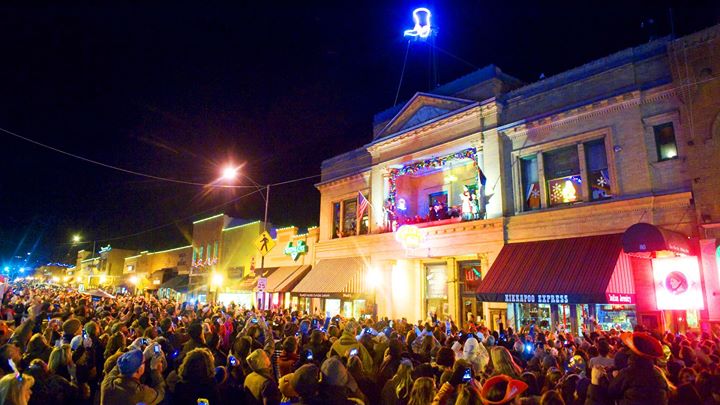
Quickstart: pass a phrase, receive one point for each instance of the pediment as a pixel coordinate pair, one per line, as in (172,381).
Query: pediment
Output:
(421,109)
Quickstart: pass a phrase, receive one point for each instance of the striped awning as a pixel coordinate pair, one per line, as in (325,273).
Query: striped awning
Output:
(285,278)
(573,270)
(334,276)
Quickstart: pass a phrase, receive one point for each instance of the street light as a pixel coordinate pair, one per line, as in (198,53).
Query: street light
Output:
(76,238)
(229,173)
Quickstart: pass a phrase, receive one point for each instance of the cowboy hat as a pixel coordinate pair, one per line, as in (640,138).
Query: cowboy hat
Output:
(513,388)
(643,345)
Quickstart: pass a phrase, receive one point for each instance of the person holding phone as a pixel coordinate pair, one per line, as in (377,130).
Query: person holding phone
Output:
(347,342)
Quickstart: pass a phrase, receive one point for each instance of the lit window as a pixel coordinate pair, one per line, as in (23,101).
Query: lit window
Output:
(562,171)
(665,141)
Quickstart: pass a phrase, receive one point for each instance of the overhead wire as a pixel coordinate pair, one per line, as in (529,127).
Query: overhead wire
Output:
(120,169)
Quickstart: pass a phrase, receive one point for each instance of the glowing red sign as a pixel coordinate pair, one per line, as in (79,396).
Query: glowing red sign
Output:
(617,298)
(677,283)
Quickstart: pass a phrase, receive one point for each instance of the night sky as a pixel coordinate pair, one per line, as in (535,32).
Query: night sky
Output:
(179,90)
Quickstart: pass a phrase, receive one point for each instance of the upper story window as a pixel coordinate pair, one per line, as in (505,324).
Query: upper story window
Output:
(597,170)
(345,221)
(530,182)
(665,141)
(564,175)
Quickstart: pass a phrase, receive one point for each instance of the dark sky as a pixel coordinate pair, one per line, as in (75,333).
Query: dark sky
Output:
(176,90)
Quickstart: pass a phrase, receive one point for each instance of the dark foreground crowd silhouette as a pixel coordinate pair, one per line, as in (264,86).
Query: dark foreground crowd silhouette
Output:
(63,347)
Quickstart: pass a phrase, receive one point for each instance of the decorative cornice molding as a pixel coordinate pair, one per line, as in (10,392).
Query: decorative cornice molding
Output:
(364,175)
(593,110)
(391,142)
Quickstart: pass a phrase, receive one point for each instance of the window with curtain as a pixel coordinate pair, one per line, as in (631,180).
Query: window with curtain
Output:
(336,220)
(349,220)
(597,170)
(530,182)
(562,174)
(665,141)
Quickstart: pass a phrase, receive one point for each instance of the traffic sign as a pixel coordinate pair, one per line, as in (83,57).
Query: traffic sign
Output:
(264,243)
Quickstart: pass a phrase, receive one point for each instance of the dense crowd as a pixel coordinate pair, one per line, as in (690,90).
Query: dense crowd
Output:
(63,347)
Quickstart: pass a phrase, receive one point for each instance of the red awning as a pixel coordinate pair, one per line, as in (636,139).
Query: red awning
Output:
(574,270)
(646,238)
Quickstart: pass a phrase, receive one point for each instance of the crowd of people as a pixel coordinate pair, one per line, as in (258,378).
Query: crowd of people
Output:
(63,347)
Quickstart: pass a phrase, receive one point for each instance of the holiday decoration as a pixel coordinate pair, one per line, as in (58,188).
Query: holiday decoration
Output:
(409,236)
(429,164)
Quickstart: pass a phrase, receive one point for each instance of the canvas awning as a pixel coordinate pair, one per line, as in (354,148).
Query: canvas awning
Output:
(285,278)
(334,276)
(647,238)
(590,269)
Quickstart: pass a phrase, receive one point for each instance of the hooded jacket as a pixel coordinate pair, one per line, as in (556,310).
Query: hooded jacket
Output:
(120,389)
(347,342)
(476,354)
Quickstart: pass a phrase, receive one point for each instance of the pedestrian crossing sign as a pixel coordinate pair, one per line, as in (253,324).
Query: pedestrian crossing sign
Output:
(264,243)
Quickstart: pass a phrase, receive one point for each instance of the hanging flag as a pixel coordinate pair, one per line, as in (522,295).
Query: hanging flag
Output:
(362,204)
(533,196)
(483,179)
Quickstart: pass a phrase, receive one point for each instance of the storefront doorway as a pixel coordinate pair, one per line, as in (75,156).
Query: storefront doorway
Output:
(436,290)
(498,316)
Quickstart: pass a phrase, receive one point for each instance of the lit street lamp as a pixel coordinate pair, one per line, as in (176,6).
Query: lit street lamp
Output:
(76,238)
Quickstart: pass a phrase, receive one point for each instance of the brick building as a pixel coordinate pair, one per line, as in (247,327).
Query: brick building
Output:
(589,196)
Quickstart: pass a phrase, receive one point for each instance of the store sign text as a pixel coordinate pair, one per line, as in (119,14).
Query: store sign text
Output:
(615,298)
(538,298)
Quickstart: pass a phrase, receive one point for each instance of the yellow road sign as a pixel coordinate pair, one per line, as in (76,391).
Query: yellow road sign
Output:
(264,243)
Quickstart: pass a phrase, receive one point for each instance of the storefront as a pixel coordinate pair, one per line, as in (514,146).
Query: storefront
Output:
(336,286)
(278,284)
(563,284)
(670,267)
(470,274)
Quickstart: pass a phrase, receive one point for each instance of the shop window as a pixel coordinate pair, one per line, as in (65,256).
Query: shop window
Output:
(200,253)
(215,255)
(209,252)
(530,183)
(471,275)
(336,220)
(597,170)
(665,141)
(562,171)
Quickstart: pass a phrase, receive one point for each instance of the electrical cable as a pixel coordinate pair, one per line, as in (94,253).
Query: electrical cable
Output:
(105,165)
(402,73)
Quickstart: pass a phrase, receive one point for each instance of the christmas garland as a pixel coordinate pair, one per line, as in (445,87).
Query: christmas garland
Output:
(432,163)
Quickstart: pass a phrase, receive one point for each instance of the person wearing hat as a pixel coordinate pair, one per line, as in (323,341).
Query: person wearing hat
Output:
(305,382)
(638,383)
(348,342)
(337,385)
(260,386)
(122,385)
(502,389)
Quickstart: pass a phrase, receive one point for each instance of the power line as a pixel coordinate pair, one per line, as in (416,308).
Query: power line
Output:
(105,165)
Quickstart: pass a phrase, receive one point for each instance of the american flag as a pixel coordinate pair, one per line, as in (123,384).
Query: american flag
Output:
(362,204)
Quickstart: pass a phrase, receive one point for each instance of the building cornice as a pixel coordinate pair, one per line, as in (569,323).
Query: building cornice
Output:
(475,111)
(593,110)
(342,180)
